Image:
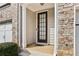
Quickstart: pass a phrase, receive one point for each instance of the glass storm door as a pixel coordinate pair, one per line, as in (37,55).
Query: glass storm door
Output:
(42,27)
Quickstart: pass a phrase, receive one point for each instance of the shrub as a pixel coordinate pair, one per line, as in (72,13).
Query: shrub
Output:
(9,49)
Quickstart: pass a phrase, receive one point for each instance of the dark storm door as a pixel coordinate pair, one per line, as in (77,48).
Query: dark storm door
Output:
(42,27)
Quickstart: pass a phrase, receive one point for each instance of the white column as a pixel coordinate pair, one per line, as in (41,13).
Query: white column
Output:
(23,26)
(19,19)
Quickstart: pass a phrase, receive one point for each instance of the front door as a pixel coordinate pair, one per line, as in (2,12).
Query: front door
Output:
(42,27)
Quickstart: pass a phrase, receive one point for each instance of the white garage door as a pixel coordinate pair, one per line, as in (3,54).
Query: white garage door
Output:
(5,32)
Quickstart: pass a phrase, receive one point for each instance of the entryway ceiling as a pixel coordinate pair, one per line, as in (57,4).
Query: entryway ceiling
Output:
(37,6)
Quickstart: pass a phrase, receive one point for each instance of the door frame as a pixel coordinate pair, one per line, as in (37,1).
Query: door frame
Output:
(37,27)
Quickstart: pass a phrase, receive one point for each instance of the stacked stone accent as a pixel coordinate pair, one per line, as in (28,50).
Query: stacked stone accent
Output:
(7,13)
(65,18)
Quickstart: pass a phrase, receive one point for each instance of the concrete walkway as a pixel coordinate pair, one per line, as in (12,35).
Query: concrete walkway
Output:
(32,53)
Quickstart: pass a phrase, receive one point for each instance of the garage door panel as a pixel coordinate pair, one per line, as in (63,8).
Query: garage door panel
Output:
(8,26)
(2,27)
(6,32)
(1,36)
(8,36)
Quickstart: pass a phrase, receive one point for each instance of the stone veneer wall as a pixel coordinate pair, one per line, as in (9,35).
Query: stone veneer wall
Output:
(7,13)
(65,17)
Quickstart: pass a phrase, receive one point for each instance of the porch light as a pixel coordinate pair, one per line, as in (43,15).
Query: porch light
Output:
(41,4)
